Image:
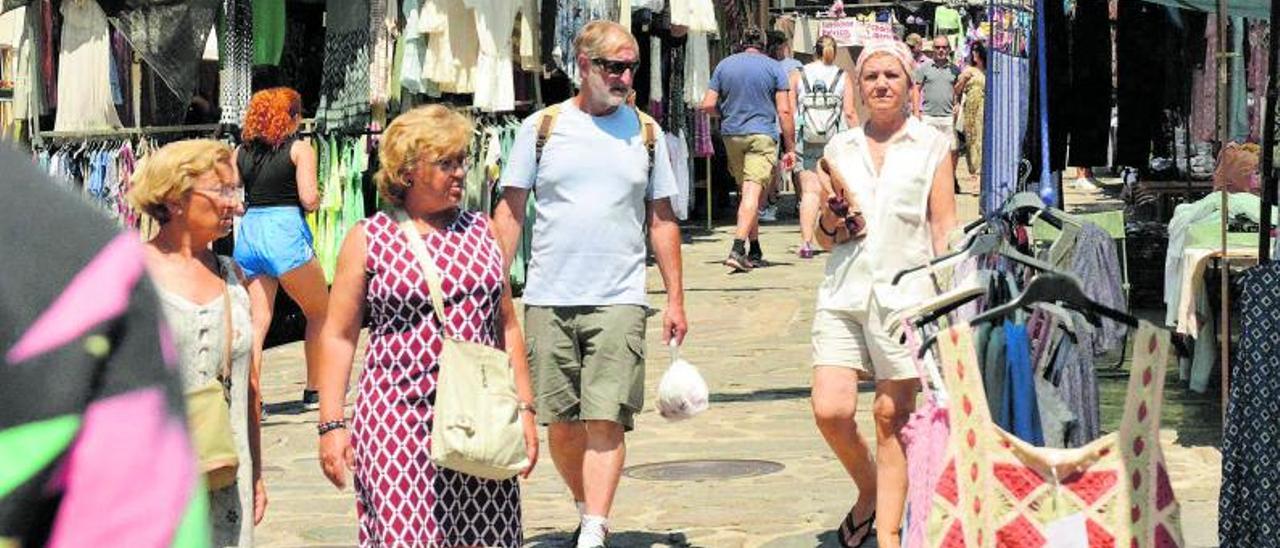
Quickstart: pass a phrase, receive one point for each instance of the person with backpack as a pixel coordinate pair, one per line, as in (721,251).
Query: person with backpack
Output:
(600,177)
(822,93)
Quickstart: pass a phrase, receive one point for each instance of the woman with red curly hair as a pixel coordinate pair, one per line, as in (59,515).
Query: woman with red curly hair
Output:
(274,243)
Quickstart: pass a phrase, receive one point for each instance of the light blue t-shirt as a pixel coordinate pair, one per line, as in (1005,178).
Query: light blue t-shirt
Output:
(591,191)
(747,83)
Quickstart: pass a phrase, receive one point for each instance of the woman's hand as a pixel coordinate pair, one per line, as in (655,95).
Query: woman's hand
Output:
(259,500)
(336,456)
(530,442)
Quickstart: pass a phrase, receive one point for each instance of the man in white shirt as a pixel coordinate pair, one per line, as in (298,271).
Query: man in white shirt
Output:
(600,181)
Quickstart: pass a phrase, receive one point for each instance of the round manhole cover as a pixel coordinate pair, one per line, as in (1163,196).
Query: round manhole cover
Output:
(692,470)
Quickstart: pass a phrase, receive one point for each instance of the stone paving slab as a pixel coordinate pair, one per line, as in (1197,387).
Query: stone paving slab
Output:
(750,338)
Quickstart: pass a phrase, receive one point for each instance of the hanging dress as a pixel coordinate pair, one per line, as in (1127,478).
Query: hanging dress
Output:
(997,490)
(84,99)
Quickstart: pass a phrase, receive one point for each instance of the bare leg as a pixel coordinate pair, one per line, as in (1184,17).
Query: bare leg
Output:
(895,400)
(748,210)
(835,402)
(606,451)
(306,286)
(262,298)
(810,196)
(568,441)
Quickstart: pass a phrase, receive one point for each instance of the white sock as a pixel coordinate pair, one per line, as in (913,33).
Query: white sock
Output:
(593,530)
(582,508)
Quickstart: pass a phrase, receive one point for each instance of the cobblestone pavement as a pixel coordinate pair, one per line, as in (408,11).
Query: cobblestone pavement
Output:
(750,338)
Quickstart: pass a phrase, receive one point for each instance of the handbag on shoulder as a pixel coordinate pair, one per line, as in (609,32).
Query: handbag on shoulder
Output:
(209,414)
(477,429)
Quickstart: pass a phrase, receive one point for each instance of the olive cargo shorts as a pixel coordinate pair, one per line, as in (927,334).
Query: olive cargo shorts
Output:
(587,362)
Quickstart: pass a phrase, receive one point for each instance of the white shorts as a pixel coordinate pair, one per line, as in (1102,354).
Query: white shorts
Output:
(856,340)
(947,126)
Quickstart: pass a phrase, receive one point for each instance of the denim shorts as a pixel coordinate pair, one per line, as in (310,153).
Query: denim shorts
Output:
(272,241)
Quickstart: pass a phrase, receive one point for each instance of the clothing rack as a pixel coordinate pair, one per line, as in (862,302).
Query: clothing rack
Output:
(108,133)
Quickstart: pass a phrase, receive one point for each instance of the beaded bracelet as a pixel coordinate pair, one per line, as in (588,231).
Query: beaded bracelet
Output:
(326,427)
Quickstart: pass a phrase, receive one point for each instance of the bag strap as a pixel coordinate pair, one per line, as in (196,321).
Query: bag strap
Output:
(419,249)
(647,129)
(545,125)
(548,122)
(228,331)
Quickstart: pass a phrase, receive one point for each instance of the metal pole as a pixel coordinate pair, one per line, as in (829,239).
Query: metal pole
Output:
(1224,134)
(1269,138)
(709,225)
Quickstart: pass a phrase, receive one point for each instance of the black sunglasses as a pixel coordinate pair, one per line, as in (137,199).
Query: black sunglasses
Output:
(615,67)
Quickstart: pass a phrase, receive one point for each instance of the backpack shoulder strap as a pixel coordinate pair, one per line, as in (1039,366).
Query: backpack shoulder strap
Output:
(648,128)
(545,124)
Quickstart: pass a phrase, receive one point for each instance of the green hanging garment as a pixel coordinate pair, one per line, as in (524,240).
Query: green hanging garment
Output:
(268,31)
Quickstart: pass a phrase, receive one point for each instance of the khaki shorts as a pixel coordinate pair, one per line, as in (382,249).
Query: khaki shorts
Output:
(587,362)
(751,157)
(945,125)
(856,340)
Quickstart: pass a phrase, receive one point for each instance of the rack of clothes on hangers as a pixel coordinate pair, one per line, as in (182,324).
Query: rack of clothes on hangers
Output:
(1039,366)
(1008,445)
(100,164)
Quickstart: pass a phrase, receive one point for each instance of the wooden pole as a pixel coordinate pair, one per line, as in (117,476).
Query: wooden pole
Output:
(1224,134)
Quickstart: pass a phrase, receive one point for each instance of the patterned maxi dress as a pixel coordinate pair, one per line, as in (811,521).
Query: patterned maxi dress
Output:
(975,98)
(402,499)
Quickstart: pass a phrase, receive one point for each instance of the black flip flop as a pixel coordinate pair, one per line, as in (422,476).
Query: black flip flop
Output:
(849,531)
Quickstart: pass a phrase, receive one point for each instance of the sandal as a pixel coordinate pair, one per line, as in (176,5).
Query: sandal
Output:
(851,535)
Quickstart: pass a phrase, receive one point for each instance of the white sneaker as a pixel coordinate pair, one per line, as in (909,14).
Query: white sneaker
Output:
(769,214)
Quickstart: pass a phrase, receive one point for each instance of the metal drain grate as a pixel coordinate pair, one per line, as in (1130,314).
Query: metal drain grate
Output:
(711,469)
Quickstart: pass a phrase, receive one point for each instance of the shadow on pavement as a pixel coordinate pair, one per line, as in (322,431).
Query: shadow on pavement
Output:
(774,394)
(622,539)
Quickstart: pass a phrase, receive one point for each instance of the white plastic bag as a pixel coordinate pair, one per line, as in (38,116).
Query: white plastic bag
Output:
(682,393)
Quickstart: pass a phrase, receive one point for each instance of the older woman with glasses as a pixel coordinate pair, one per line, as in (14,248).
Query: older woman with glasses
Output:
(189,187)
(402,498)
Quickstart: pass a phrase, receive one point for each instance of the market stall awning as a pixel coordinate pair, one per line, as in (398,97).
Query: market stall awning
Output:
(1253,9)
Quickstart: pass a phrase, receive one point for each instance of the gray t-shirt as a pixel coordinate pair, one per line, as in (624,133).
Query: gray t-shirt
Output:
(591,191)
(938,87)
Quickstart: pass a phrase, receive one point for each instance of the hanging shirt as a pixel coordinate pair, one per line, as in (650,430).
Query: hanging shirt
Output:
(268,31)
(495,22)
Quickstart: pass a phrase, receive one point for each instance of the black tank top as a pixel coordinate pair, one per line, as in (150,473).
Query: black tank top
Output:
(268,175)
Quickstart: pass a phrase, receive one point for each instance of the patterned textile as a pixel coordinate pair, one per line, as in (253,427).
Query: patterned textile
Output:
(344,85)
(382,30)
(401,497)
(997,490)
(924,438)
(169,36)
(571,16)
(1250,498)
(235,77)
(93,439)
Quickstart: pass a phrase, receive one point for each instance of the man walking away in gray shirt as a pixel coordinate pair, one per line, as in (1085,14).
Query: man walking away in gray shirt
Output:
(936,83)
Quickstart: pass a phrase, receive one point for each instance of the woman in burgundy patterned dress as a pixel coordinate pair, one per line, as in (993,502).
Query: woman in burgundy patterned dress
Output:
(401,497)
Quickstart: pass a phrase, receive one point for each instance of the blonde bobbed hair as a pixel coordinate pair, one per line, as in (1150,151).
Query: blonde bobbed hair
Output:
(167,174)
(426,133)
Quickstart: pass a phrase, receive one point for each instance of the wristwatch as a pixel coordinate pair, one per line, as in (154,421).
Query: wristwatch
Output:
(526,406)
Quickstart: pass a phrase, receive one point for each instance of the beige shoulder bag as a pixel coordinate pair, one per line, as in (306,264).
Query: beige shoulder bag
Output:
(477,429)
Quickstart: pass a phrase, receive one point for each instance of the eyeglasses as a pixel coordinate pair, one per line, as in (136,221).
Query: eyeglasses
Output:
(225,193)
(616,68)
(449,165)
